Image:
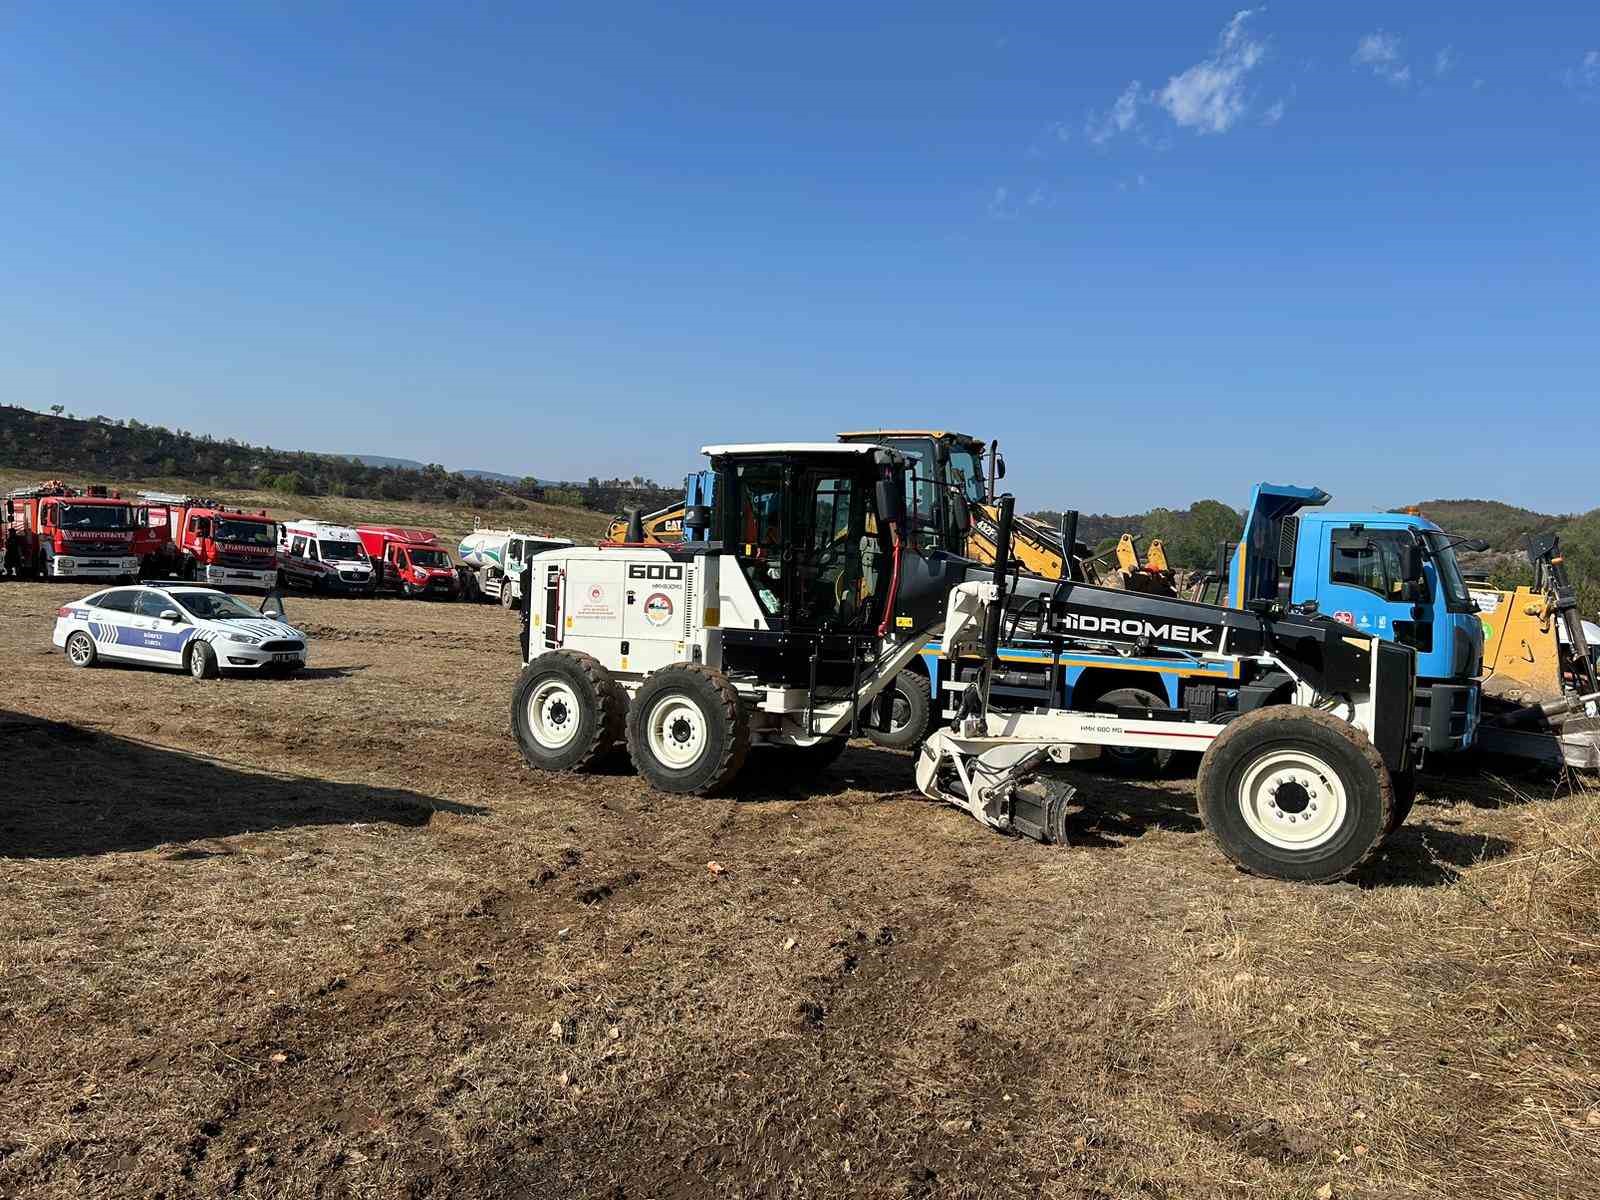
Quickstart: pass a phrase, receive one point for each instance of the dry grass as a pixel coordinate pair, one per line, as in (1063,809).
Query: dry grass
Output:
(327,937)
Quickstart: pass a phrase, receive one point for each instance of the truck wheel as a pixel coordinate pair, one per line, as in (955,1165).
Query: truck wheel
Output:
(507,600)
(1134,761)
(202,661)
(901,715)
(80,650)
(687,730)
(1295,794)
(567,711)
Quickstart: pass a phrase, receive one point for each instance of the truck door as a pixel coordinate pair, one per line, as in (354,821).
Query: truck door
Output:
(1363,584)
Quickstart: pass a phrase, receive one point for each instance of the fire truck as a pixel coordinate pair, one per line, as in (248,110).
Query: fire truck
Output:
(186,537)
(415,563)
(62,532)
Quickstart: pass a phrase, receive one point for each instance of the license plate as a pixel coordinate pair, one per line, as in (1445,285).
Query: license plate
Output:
(285,658)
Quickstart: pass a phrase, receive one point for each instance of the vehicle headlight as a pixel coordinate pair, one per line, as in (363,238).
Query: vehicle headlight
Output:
(242,638)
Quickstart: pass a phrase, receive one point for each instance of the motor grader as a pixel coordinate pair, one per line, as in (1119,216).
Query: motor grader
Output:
(809,583)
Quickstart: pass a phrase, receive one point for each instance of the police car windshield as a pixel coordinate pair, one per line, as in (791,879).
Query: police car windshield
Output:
(248,533)
(95,516)
(215,606)
(340,551)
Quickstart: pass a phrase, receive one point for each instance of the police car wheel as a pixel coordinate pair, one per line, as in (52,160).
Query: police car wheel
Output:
(202,661)
(80,650)
(567,711)
(1294,793)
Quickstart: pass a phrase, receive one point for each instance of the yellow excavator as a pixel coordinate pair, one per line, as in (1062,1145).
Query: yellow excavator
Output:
(1541,697)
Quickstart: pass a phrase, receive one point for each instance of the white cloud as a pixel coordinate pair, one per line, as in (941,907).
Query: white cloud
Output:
(1585,77)
(1274,113)
(1383,52)
(1444,62)
(1209,96)
(1122,116)
(1000,206)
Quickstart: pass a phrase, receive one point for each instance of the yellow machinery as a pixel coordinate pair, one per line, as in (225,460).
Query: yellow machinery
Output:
(1540,695)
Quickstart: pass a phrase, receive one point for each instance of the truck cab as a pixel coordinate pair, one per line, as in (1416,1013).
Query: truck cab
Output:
(1392,574)
(205,540)
(61,532)
(412,562)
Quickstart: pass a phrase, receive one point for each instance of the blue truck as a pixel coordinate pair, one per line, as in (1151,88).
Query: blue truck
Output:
(1390,574)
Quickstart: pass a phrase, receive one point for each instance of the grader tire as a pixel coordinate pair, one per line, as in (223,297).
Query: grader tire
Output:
(687,730)
(1405,795)
(567,711)
(1295,794)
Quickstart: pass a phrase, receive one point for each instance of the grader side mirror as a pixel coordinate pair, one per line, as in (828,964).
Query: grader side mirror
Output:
(892,499)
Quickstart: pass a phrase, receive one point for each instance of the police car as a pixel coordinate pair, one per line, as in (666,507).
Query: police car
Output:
(195,629)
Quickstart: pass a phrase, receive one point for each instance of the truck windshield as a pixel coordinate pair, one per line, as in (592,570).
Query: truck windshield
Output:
(340,551)
(95,516)
(430,558)
(246,533)
(1456,597)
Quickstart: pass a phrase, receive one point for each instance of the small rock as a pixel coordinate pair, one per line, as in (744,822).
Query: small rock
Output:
(791,943)
(715,868)
(280,1057)
(1325,1192)
(555,1031)
(561,934)
(1359,1148)
(615,1033)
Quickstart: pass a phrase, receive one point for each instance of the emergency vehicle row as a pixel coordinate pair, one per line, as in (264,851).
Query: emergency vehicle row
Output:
(56,531)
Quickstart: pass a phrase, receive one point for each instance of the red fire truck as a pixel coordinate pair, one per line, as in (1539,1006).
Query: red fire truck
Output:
(413,562)
(62,532)
(186,537)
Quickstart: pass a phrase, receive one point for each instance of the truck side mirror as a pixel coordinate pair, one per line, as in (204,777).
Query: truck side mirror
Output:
(999,465)
(1476,545)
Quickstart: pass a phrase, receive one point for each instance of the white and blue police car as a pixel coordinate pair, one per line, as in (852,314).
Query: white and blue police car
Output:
(195,629)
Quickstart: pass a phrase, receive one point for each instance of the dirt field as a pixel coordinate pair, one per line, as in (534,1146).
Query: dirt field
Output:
(328,937)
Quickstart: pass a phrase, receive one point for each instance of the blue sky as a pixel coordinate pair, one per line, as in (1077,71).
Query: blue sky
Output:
(1160,251)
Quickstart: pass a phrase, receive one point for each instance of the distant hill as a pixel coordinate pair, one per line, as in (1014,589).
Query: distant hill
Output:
(1502,525)
(91,448)
(411,464)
